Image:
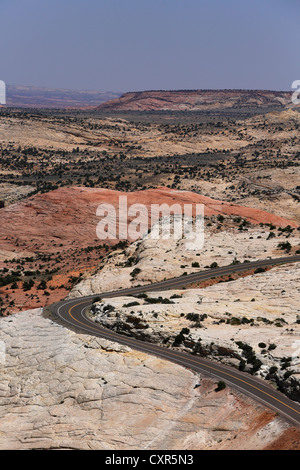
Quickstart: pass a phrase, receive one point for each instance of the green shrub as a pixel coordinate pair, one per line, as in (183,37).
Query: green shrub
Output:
(131,304)
(158,300)
(220,386)
(178,339)
(135,272)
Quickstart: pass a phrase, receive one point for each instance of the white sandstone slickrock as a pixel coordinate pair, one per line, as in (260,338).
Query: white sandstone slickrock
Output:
(157,260)
(260,310)
(60,389)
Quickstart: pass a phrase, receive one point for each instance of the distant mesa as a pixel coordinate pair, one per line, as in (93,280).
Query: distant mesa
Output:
(152,100)
(197,100)
(35,97)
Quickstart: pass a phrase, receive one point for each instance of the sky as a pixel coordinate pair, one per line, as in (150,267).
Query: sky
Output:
(134,45)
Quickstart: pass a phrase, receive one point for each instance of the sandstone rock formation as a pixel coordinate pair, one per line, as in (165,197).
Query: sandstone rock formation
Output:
(54,235)
(260,311)
(63,390)
(147,260)
(68,215)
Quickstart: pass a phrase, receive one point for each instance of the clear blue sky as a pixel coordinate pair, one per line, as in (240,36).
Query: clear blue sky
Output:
(123,45)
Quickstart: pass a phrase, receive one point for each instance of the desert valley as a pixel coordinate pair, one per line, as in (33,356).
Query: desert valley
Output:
(236,152)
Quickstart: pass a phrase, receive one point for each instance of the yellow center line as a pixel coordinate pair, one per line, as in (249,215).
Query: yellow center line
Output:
(172,353)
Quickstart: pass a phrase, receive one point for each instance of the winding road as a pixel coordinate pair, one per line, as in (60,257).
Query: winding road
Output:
(73,313)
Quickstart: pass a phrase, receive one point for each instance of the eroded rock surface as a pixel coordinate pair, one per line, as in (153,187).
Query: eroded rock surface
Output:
(223,321)
(60,389)
(149,260)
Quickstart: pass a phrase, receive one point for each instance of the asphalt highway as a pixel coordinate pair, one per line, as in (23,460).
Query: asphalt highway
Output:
(73,313)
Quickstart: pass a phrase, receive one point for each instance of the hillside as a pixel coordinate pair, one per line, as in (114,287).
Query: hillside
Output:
(49,240)
(197,100)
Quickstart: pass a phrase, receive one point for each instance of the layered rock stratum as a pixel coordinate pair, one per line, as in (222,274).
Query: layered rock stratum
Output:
(68,215)
(196,100)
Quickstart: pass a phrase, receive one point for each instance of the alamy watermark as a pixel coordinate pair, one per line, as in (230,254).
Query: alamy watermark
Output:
(159,221)
(2,92)
(296,94)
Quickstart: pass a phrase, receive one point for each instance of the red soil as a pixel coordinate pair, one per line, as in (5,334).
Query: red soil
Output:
(67,216)
(62,224)
(289,440)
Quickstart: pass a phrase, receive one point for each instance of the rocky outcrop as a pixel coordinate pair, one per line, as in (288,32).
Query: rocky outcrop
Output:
(68,215)
(11,193)
(64,390)
(149,260)
(56,232)
(252,323)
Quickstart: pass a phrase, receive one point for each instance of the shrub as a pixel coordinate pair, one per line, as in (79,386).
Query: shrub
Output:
(288,373)
(192,316)
(131,304)
(271,235)
(285,246)
(27,285)
(10,278)
(108,308)
(42,285)
(185,331)
(234,321)
(178,339)
(220,386)
(256,365)
(214,265)
(142,296)
(195,317)
(259,270)
(135,272)
(158,300)
(247,351)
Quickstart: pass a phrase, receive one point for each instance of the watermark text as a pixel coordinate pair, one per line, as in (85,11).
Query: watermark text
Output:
(159,221)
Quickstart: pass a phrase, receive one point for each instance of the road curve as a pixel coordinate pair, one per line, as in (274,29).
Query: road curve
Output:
(73,313)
